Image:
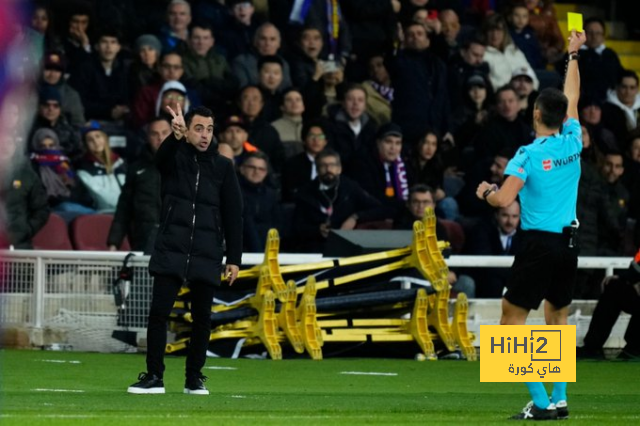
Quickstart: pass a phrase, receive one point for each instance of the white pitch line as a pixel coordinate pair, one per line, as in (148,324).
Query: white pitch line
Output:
(58,390)
(367,373)
(220,368)
(60,361)
(237,396)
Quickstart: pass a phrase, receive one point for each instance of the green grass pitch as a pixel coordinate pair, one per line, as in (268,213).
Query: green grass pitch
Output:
(69,388)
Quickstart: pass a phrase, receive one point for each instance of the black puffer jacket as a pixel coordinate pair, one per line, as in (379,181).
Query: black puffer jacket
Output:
(201,204)
(25,203)
(138,212)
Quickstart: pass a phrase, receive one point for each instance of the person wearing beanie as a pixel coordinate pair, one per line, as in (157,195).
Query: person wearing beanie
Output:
(54,67)
(145,68)
(49,116)
(64,193)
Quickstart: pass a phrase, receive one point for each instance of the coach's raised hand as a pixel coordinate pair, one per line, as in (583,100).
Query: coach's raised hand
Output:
(178,124)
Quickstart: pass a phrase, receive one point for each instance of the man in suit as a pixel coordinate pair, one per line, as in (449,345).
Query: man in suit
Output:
(495,237)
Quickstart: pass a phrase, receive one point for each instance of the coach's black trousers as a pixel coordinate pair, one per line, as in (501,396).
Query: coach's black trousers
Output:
(617,296)
(165,291)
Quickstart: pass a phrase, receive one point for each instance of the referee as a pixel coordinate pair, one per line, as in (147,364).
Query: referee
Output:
(545,175)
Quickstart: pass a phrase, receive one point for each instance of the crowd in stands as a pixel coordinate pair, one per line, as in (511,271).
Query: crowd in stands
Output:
(336,112)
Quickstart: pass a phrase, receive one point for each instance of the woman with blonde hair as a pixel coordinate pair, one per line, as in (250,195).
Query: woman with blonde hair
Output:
(501,54)
(101,171)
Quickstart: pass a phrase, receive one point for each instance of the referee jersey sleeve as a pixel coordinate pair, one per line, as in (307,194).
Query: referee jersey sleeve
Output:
(571,129)
(519,166)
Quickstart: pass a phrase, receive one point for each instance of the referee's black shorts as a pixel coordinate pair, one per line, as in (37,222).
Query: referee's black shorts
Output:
(544,268)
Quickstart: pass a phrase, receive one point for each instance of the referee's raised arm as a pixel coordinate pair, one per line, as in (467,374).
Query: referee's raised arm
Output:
(572,77)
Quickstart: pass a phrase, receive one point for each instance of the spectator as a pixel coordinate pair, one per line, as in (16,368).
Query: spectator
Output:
(372,24)
(506,129)
(65,194)
(496,236)
(239,33)
(289,126)
(522,83)
(421,197)
(267,42)
(172,94)
(330,201)
(379,90)
(261,208)
(599,65)
(50,117)
(451,32)
(610,239)
(426,166)
(306,65)
(382,172)
(145,68)
(175,33)
(301,168)
(352,130)
(524,36)
(41,22)
(216,83)
(621,294)
(472,117)
(270,82)
(322,14)
(620,112)
(77,46)
(419,101)
(325,92)
(234,134)
(487,170)
(138,211)
(468,62)
(545,24)
(261,133)
(502,55)
(25,200)
(144,102)
(591,116)
(101,171)
(103,82)
(54,66)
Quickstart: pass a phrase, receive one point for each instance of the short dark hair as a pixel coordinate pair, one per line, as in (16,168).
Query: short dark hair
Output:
(421,187)
(325,153)
(110,31)
(308,125)
(289,90)
(256,154)
(270,59)
(552,104)
(202,25)
(627,74)
(596,19)
(201,111)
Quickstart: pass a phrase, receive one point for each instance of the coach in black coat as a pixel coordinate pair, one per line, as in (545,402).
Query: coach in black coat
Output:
(201,207)
(201,204)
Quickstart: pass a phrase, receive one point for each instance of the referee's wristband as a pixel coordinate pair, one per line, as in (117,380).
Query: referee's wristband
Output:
(487,192)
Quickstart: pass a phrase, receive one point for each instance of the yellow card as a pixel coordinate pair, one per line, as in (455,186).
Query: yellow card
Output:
(575,21)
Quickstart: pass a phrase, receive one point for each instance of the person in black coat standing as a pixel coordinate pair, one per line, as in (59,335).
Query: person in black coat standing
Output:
(201,207)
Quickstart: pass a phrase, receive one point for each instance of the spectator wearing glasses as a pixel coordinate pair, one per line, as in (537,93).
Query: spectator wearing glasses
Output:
(261,208)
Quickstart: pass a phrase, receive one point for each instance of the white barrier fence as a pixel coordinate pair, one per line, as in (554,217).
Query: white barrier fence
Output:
(65,297)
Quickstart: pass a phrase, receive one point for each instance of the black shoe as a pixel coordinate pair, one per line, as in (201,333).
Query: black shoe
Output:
(147,384)
(531,412)
(588,353)
(562,410)
(195,385)
(628,355)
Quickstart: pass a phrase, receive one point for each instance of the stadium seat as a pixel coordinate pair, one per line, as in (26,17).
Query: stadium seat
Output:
(90,231)
(456,235)
(54,235)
